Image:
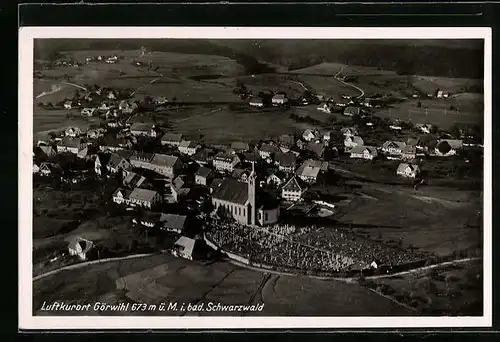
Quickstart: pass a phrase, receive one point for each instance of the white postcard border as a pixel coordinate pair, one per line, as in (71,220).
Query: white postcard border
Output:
(25,136)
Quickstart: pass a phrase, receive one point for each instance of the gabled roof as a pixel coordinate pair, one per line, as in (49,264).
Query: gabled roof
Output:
(203,172)
(239,145)
(279,174)
(164,160)
(269,148)
(171,137)
(279,97)
(285,159)
(402,167)
(187,245)
(125,193)
(309,168)
(293,184)
(225,156)
(142,194)
(251,156)
(256,100)
(173,221)
(352,110)
(188,144)
(412,141)
(231,190)
(317,148)
(355,139)
(70,142)
(286,140)
(142,156)
(84,244)
(409,149)
(361,149)
(394,144)
(353,130)
(141,127)
(455,144)
(47,150)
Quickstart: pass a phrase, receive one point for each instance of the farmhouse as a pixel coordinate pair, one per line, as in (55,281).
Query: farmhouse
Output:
(251,157)
(279,99)
(352,111)
(132,180)
(343,102)
(266,151)
(407,170)
(47,150)
(241,174)
(292,190)
(352,141)
(203,176)
(225,162)
(318,148)
(454,146)
(163,164)
(144,129)
(326,107)
(241,202)
(309,171)
(276,179)
(364,152)
(424,128)
(96,133)
(409,153)
(160,100)
(47,169)
(88,111)
(72,132)
(394,147)
(68,104)
(72,145)
(349,131)
(111,143)
(127,107)
(137,197)
(286,142)
(173,223)
(239,146)
(256,102)
(203,157)
(309,135)
(286,161)
(188,147)
(78,246)
(171,139)
(184,248)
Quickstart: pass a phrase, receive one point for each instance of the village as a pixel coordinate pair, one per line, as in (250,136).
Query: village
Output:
(243,198)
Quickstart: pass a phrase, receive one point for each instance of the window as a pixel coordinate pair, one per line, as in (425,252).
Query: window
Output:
(239,211)
(266,216)
(244,212)
(260,216)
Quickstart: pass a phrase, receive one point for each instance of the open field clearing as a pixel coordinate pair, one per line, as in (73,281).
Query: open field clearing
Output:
(429,84)
(163,278)
(423,220)
(245,125)
(329,86)
(45,121)
(440,112)
(452,290)
(342,70)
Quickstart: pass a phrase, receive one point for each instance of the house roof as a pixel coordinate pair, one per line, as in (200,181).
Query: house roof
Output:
(310,168)
(409,149)
(285,159)
(142,127)
(256,100)
(362,149)
(279,174)
(84,244)
(142,194)
(48,150)
(352,110)
(142,156)
(412,141)
(71,142)
(125,154)
(125,193)
(353,130)
(225,156)
(203,172)
(231,190)
(251,156)
(164,160)
(188,144)
(173,221)
(201,155)
(317,148)
(239,145)
(187,245)
(171,137)
(394,144)
(455,144)
(279,97)
(356,139)
(293,184)
(402,167)
(114,160)
(287,140)
(269,148)
(133,179)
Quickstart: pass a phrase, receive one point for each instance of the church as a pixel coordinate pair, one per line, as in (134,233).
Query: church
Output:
(246,204)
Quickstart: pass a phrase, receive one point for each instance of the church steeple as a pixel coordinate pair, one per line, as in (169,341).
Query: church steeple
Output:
(251,196)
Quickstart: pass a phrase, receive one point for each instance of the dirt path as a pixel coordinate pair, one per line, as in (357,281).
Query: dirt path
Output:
(349,84)
(197,115)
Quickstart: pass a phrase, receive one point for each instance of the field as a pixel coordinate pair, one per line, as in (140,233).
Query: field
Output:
(452,290)
(429,84)
(462,109)
(163,278)
(342,70)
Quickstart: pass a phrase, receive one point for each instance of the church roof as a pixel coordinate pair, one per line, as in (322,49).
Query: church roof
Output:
(231,190)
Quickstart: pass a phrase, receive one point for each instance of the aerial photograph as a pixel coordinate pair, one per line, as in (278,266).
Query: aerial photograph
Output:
(258,177)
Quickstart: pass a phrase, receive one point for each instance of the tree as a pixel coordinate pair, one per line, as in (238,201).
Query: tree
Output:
(444,147)
(419,104)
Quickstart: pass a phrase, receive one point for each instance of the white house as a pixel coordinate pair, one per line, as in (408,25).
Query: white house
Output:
(256,102)
(309,171)
(171,139)
(138,197)
(225,161)
(72,145)
(292,190)
(394,147)
(203,176)
(309,135)
(326,107)
(409,152)
(163,164)
(364,152)
(188,147)
(349,131)
(276,179)
(68,105)
(88,111)
(72,132)
(352,111)
(80,247)
(408,170)
(267,150)
(184,248)
(279,100)
(352,141)
(144,129)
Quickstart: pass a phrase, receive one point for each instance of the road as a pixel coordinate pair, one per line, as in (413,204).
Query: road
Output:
(197,115)
(348,84)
